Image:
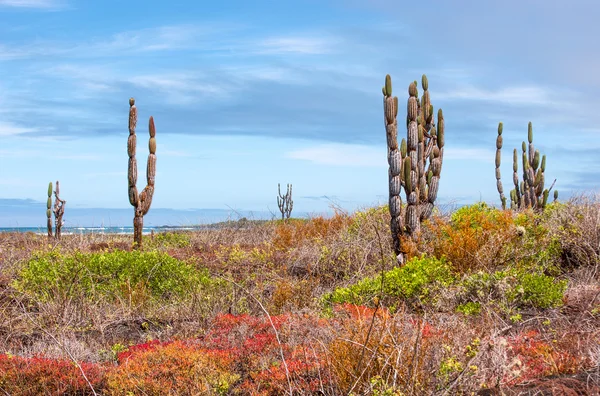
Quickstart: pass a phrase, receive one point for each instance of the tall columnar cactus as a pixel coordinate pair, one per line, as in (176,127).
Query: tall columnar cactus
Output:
(59,211)
(498,162)
(141,202)
(285,202)
(49,210)
(530,191)
(416,165)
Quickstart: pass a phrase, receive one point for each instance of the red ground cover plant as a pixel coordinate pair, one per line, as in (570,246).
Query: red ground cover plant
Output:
(42,376)
(174,368)
(535,358)
(253,344)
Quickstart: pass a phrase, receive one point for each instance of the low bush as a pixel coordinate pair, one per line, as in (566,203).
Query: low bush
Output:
(168,240)
(474,239)
(116,274)
(415,282)
(176,368)
(40,376)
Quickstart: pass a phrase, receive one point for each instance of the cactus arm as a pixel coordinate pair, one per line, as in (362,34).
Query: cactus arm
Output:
(498,162)
(49,211)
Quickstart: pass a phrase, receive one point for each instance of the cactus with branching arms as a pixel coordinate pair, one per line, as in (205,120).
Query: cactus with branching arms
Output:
(416,165)
(141,202)
(529,192)
(285,202)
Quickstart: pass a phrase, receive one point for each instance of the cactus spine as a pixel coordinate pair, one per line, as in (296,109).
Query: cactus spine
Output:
(59,211)
(49,210)
(141,202)
(417,165)
(285,202)
(530,191)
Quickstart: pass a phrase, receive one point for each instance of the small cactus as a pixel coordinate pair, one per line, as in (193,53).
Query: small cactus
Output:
(141,202)
(530,191)
(59,211)
(285,202)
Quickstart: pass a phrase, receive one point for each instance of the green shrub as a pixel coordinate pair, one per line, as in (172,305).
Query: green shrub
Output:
(169,239)
(415,280)
(49,276)
(476,216)
(509,290)
(469,308)
(538,291)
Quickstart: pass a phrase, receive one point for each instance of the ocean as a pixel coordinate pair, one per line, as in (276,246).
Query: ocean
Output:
(101,230)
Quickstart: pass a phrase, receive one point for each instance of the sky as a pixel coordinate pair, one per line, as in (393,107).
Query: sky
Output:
(246,95)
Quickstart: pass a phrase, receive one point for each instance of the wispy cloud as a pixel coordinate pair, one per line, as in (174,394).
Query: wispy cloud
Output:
(44,4)
(298,44)
(530,95)
(341,155)
(207,37)
(10,129)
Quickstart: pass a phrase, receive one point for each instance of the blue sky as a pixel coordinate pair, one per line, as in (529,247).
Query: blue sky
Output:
(249,94)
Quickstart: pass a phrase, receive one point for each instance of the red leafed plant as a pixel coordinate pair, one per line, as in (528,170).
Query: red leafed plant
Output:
(42,376)
(176,368)
(538,359)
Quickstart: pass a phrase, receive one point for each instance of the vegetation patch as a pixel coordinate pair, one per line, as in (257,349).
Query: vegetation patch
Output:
(417,281)
(110,275)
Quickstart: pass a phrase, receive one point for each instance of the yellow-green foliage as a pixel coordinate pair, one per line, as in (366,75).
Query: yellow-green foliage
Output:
(49,276)
(510,288)
(538,290)
(415,280)
(169,239)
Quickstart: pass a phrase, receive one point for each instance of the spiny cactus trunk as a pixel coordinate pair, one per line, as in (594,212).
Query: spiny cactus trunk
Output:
(395,161)
(49,211)
(412,178)
(59,211)
(141,202)
(416,166)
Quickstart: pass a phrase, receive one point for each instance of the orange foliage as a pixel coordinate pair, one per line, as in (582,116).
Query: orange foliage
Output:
(177,368)
(294,232)
(367,346)
(474,240)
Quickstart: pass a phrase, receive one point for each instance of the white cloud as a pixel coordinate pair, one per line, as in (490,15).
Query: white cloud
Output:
(370,156)
(342,155)
(32,3)
(10,129)
(526,95)
(298,45)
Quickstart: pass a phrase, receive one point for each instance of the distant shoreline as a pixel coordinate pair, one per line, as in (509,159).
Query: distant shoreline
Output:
(125,230)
